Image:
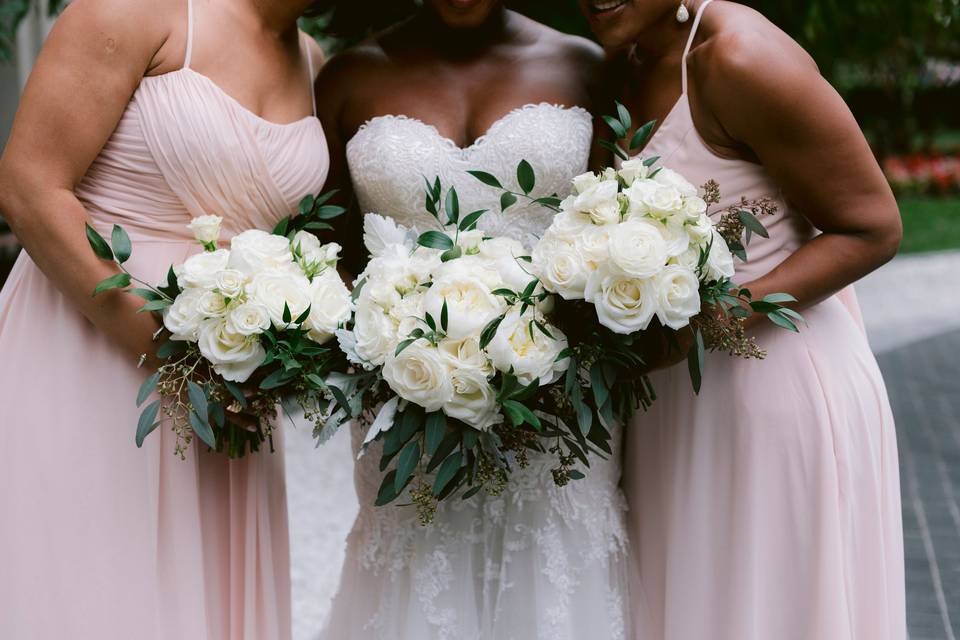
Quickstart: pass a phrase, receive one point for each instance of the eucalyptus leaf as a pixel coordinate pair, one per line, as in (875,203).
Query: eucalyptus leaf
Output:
(406,464)
(436,429)
(203,430)
(446,472)
(148,422)
(198,398)
(695,362)
(147,388)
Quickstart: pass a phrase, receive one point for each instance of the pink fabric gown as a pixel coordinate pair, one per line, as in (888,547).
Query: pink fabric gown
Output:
(98,539)
(767,508)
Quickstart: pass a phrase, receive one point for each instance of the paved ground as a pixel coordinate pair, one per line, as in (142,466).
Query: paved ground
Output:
(912,311)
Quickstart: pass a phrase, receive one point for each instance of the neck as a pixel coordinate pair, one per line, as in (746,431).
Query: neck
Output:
(465,41)
(666,36)
(280,17)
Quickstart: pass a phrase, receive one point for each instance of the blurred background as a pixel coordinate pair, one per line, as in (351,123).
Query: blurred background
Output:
(897,64)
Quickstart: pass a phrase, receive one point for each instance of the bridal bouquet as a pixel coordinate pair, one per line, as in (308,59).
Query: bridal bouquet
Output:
(247,327)
(455,342)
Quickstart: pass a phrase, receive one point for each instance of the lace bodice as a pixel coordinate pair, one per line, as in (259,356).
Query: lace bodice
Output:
(390,156)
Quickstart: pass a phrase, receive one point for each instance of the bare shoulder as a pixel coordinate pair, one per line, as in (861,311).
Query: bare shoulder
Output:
(139,23)
(560,46)
(353,65)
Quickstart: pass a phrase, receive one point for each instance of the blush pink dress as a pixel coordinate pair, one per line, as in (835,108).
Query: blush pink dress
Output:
(767,508)
(100,540)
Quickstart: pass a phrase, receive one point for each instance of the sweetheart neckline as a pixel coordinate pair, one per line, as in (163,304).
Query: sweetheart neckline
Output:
(239,105)
(491,130)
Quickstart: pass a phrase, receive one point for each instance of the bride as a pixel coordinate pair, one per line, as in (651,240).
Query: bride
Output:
(466,84)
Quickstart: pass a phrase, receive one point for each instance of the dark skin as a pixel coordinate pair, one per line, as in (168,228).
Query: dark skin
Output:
(757,96)
(459,66)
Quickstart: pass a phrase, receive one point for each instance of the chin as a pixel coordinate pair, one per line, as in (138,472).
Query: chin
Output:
(464,14)
(618,23)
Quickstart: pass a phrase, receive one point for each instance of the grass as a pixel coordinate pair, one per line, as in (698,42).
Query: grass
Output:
(930,224)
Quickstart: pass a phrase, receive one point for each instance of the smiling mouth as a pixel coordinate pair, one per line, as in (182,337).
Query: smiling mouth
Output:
(604,6)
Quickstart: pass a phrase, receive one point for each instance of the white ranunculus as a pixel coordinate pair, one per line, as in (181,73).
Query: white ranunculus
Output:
(248,319)
(530,355)
(254,251)
(375,331)
(206,229)
(420,374)
(594,245)
(694,207)
(230,282)
(474,400)
(674,236)
(380,232)
(183,318)
(330,306)
(466,354)
(720,261)
(700,230)
(233,355)
(278,287)
(637,248)
(561,268)
(585,181)
(633,170)
(212,304)
(649,197)
(200,270)
(600,202)
(470,303)
(678,295)
(624,305)
(504,254)
(671,178)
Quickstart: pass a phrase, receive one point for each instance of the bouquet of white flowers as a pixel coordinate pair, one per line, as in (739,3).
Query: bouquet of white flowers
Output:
(453,339)
(256,314)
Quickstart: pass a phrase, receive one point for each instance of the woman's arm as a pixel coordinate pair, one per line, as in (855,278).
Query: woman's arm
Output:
(765,94)
(92,63)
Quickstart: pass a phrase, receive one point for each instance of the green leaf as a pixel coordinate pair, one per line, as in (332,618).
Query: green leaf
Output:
(406,464)
(451,254)
(435,430)
(472,491)
(782,322)
(281,228)
(203,430)
(520,414)
(598,385)
(147,294)
(342,400)
(641,137)
(450,442)
(275,380)
(198,398)
(435,240)
(171,348)
(779,298)
(616,126)
(490,331)
(147,388)
(403,345)
(649,162)
(624,116)
(306,206)
(98,244)
(287,316)
(116,281)
(507,200)
(446,473)
(470,220)
(148,422)
(486,178)
(526,177)
(573,474)
(452,206)
(121,244)
(695,362)
(584,414)
(615,148)
(155,305)
(387,493)
(237,393)
(751,223)
(329,212)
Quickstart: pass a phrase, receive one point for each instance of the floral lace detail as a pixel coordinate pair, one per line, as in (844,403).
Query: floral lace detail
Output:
(390,156)
(537,562)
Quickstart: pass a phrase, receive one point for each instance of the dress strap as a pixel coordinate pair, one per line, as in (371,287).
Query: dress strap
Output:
(306,49)
(693,34)
(188,56)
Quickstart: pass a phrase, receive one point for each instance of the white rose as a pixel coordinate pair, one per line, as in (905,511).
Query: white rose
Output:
(330,306)
(633,170)
(474,400)
(720,261)
(230,282)
(624,305)
(530,355)
(600,202)
(254,251)
(670,178)
(206,229)
(396,272)
(234,356)
(183,318)
(504,253)
(200,270)
(594,245)
(651,197)
(212,304)
(408,315)
(277,287)
(701,230)
(375,332)
(678,295)
(466,354)
(694,207)
(585,181)
(674,236)
(248,319)
(470,305)
(420,374)
(309,247)
(561,268)
(569,224)
(637,248)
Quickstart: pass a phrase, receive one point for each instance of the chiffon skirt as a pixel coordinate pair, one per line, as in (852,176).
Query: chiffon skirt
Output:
(100,540)
(769,506)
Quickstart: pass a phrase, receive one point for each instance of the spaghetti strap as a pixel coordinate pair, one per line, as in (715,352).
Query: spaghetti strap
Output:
(189,54)
(313,95)
(693,34)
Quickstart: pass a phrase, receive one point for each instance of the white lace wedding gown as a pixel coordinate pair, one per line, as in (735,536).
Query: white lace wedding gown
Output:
(537,562)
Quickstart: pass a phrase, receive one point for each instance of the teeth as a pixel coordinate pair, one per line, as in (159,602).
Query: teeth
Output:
(607,5)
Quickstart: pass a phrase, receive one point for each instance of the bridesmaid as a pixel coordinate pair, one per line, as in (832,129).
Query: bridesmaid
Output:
(142,114)
(769,506)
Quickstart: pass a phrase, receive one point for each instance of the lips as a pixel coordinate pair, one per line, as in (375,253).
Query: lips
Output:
(603,6)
